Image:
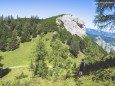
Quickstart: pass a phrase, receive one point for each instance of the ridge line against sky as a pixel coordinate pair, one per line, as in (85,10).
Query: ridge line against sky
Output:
(84,9)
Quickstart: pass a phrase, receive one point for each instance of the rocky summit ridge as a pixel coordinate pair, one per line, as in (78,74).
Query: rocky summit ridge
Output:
(73,24)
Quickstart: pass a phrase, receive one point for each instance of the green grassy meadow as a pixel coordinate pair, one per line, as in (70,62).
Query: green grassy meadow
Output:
(19,61)
(23,55)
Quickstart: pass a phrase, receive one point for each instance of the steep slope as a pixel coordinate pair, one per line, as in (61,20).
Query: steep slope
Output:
(81,42)
(67,28)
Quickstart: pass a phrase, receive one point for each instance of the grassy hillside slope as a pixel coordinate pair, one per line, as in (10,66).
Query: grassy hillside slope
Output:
(64,53)
(19,59)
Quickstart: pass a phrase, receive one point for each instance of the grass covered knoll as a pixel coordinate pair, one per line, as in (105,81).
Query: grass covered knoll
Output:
(20,56)
(20,59)
(23,55)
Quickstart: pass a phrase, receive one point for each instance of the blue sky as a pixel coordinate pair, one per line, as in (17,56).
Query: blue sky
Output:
(85,9)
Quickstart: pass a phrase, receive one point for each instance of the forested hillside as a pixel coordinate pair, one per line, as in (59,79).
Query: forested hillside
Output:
(40,52)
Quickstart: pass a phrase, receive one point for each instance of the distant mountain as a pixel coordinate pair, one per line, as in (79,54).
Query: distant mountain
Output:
(100,33)
(103,38)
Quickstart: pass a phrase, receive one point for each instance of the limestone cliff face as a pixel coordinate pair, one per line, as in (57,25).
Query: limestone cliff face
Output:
(73,24)
(107,46)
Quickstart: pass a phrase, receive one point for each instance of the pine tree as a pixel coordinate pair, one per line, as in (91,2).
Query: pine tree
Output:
(74,45)
(25,35)
(12,42)
(15,42)
(59,53)
(105,17)
(58,57)
(40,65)
(34,31)
(3,39)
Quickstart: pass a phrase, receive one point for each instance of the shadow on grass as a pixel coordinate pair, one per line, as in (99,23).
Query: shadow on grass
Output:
(99,65)
(4,72)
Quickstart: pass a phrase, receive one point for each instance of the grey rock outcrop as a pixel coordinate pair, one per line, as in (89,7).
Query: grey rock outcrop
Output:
(73,24)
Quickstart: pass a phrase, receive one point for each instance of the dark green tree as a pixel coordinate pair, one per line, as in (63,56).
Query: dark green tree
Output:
(59,53)
(18,28)
(25,35)
(3,39)
(58,57)
(25,29)
(105,17)
(74,45)
(13,42)
(34,30)
(64,35)
(40,65)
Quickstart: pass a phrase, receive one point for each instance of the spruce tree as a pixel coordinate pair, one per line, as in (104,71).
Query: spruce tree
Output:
(3,39)
(59,55)
(15,42)
(74,45)
(34,31)
(25,35)
(105,17)
(40,65)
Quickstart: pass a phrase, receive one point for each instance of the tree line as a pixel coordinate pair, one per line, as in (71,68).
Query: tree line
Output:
(16,31)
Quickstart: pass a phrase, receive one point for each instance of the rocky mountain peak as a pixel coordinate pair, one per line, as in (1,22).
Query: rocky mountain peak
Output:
(73,24)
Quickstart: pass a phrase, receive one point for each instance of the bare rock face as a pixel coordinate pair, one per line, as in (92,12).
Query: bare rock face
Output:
(73,24)
(107,46)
